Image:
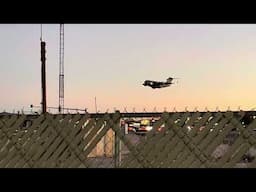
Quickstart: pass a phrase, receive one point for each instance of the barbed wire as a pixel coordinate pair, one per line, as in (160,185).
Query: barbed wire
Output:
(37,110)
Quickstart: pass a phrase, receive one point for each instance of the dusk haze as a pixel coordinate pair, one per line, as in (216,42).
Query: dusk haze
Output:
(215,64)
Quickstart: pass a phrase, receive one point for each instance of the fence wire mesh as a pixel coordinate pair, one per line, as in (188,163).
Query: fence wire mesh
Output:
(122,140)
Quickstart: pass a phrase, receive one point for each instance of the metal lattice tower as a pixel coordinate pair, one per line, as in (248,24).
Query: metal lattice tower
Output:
(61,70)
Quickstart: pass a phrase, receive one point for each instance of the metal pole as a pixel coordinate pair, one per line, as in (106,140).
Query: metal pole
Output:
(61,70)
(43,75)
(96,106)
(118,154)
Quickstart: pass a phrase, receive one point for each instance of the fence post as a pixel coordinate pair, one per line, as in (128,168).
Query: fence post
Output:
(117,144)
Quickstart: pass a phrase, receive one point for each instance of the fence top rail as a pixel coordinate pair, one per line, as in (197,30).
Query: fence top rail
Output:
(142,114)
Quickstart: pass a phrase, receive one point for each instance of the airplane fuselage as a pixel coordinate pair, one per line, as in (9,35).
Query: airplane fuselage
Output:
(156,84)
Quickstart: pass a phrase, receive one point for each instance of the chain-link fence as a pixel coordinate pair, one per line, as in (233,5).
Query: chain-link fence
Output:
(137,140)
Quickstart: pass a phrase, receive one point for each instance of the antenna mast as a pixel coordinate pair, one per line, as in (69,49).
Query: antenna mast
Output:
(41,35)
(43,72)
(61,70)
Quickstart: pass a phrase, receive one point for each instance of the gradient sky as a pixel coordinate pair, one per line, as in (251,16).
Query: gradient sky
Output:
(216,64)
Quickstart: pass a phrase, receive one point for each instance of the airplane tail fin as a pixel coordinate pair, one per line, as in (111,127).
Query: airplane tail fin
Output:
(169,80)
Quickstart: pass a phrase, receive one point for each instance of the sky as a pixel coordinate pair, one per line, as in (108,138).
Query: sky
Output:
(216,64)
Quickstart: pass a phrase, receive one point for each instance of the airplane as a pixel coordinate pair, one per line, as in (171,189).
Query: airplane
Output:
(158,84)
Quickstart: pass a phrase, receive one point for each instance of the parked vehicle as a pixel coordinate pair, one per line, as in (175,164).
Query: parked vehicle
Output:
(141,127)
